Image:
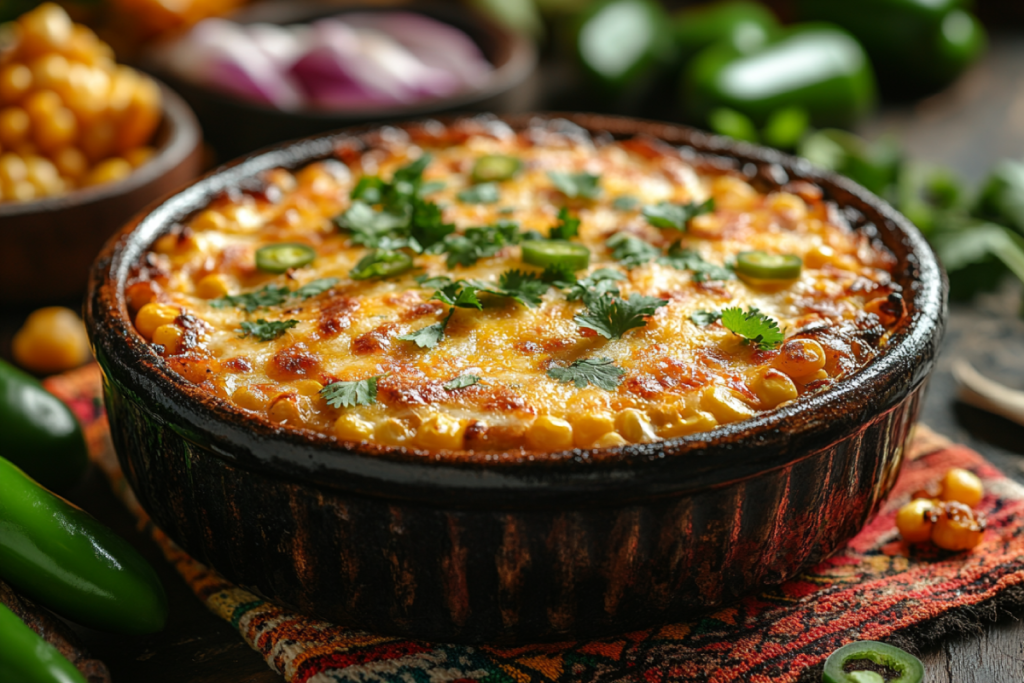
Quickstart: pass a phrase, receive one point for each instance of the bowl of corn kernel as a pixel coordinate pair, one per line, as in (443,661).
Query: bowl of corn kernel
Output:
(85,143)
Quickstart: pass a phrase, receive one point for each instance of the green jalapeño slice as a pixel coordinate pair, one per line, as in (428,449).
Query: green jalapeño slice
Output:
(556,253)
(278,258)
(495,167)
(765,266)
(867,661)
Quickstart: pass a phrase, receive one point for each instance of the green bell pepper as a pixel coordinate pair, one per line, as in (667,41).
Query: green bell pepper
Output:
(27,658)
(62,558)
(817,67)
(40,434)
(624,46)
(744,24)
(916,46)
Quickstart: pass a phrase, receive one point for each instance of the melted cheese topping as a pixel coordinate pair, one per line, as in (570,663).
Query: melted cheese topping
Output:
(680,377)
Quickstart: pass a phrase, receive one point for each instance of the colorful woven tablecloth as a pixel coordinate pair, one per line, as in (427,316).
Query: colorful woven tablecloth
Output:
(877,588)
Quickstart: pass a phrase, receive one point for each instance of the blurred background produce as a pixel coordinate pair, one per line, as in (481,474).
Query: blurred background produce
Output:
(920,101)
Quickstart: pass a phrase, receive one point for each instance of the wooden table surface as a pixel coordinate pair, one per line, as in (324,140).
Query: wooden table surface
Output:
(968,128)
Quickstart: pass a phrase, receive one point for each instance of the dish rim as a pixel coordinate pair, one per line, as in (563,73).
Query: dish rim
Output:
(740,449)
(182,138)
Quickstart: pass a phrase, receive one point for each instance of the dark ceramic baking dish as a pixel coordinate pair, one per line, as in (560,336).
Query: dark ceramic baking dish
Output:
(502,547)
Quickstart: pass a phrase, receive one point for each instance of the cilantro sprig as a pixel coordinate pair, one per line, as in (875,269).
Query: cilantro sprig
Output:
(360,392)
(274,295)
(630,250)
(670,216)
(600,282)
(688,259)
(611,316)
(601,372)
(568,226)
(478,242)
(702,318)
(266,330)
(572,185)
(483,193)
(755,327)
(461,382)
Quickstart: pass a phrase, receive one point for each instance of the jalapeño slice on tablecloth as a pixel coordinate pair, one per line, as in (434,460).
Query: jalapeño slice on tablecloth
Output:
(277,258)
(544,253)
(861,661)
(765,266)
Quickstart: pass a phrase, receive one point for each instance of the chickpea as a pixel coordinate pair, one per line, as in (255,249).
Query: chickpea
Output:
(962,486)
(916,519)
(52,340)
(957,528)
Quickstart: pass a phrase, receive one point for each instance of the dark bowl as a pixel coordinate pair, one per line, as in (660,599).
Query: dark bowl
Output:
(502,547)
(50,243)
(235,126)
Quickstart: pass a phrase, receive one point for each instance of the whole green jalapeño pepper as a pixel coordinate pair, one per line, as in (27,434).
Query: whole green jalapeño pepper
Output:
(27,658)
(40,434)
(744,24)
(916,46)
(817,67)
(624,46)
(63,558)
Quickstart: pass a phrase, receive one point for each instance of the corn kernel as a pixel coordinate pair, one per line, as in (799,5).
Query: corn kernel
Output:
(43,174)
(168,336)
(634,426)
(53,339)
(15,83)
(286,410)
(58,130)
(71,162)
(442,432)
(706,225)
(21,191)
(250,397)
(800,358)
(725,404)
(108,171)
(352,428)
(549,433)
(788,205)
(98,139)
(139,156)
(209,220)
(589,428)
(12,168)
(774,387)
(308,387)
(152,316)
(393,432)
(212,286)
(698,422)
(732,193)
(14,126)
(819,256)
(610,440)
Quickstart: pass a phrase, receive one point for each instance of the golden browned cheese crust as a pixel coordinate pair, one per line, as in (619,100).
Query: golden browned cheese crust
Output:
(677,377)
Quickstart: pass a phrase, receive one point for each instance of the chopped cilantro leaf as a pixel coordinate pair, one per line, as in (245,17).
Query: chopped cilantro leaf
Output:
(625,203)
(430,187)
(369,189)
(314,288)
(526,288)
(576,184)
(484,193)
(704,318)
(461,382)
(601,372)
(266,331)
(381,263)
(559,275)
(630,250)
(568,226)
(432,281)
(368,226)
(612,316)
(675,216)
(478,242)
(753,326)
(429,336)
(688,259)
(361,392)
(459,294)
(428,227)
(596,284)
(271,295)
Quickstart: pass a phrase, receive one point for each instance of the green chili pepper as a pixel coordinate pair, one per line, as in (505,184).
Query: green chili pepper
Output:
(743,24)
(278,258)
(841,666)
(624,46)
(40,434)
(557,253)
(27,658)
(817,67)
(62,558)
(917,46)
(381,263)
(765,266)
(492,168)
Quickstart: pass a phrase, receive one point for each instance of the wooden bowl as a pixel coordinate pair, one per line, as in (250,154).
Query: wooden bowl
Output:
(234,126)
(49,244)
(505,547)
